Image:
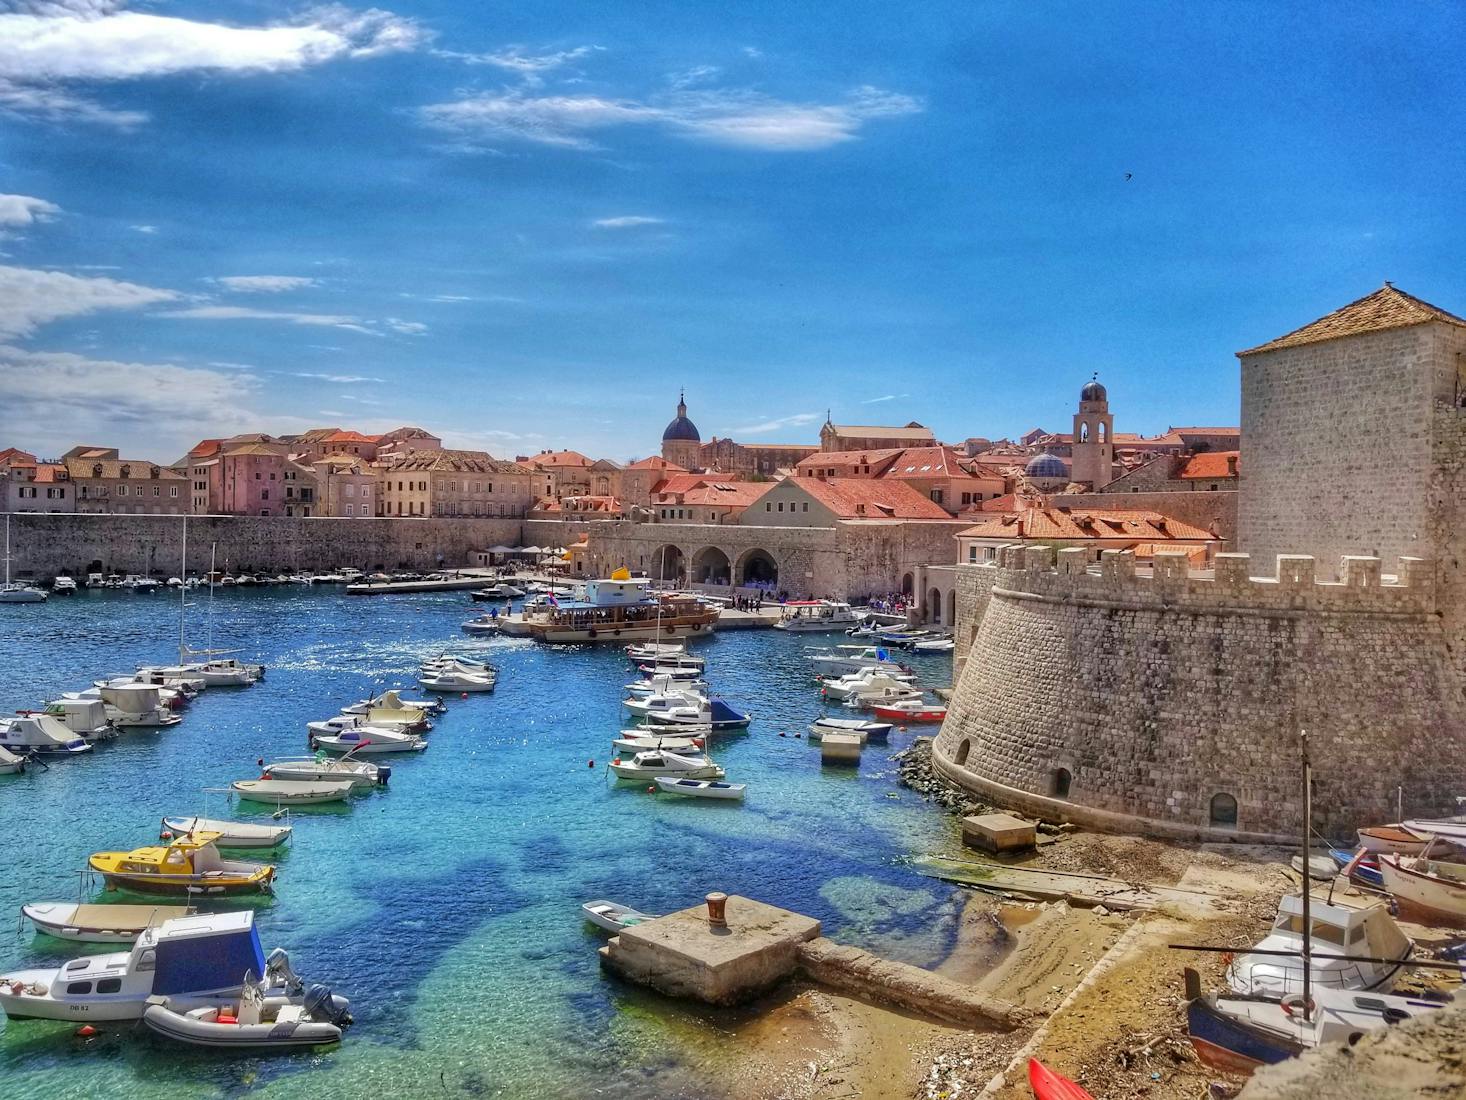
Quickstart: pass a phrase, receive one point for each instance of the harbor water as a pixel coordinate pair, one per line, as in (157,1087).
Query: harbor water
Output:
(447,905)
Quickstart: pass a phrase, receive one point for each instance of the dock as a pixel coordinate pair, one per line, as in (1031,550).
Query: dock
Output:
(384,588)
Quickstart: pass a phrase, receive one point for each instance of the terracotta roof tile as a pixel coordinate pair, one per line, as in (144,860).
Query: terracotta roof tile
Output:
(657,462)
(1078,524)
(1386,308)
(447,461)
(862,498)
(1212,464)
(546,460)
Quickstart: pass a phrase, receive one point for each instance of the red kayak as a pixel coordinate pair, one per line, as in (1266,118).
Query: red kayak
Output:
(1048,1085)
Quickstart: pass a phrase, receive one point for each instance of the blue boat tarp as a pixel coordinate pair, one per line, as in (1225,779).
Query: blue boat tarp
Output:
(197,964)
(722,712)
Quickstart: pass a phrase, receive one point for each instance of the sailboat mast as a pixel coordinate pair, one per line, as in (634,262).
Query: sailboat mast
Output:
(7,549)
(183,593)
(213,550)
(1307,878)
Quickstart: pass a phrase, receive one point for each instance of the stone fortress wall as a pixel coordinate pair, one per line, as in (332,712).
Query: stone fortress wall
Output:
(1131,702)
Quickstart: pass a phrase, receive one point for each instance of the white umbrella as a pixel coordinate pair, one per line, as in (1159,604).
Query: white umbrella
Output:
(561,550)
(501,549)
(533,550)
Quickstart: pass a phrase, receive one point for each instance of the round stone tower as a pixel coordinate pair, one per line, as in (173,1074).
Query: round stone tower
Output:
(681,442)
(1094,429)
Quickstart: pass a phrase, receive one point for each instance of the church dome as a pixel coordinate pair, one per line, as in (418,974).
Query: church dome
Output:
(1093,391)
(1046,465)
(681,428)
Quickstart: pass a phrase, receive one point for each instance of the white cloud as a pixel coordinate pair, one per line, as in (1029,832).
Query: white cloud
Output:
(31,298)
(627,221)
(530,67)
(244,313)
(698,74)
(792,421)
(45,46)
(741,119)
(264,284)
(149,229)
(22,211)
(886,397)
(103,399)
(342,379)
(407,328)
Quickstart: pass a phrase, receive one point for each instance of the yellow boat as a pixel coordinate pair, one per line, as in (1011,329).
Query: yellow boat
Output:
(189,865)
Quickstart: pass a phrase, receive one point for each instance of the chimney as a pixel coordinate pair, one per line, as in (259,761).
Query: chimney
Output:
(1231,465)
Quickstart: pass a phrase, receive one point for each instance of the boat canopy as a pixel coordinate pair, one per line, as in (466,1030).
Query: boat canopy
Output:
(212,960)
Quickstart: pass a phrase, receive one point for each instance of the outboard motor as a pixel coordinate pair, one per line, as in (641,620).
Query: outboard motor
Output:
(278,970)
(323,1005)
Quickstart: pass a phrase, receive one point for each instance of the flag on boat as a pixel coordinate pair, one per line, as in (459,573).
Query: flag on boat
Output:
(550,599)
(882,655)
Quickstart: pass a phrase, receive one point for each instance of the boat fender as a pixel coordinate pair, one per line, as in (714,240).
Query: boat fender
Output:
(590,763)
(165,835)
(783,734)
(463,695)
(1294,1003)
(86,1031)
(652,789)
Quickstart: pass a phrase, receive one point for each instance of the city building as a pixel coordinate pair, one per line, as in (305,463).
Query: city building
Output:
(101,481)
(29,485)
(635,483)
(681,443)
(1141,533)
(446,482)
(252,479)
(726,456)
(820,502)
(345,487)
(936,472)
(705,498)
(866,437)
(1093,447)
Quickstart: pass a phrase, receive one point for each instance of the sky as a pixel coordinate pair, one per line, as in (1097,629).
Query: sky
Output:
(526,226)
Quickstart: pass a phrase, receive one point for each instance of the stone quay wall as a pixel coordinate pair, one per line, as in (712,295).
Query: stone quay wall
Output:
(1130,703)
(44,545)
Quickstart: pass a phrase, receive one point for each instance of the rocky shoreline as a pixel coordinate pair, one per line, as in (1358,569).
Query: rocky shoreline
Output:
(914,766)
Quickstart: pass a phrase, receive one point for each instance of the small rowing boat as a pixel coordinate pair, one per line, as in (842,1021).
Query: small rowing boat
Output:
(701,788)
(856,727)
(234,835)
(292,792)
(66,920)
(612,916)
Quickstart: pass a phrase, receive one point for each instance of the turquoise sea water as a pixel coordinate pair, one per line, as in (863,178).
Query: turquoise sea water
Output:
(447,906)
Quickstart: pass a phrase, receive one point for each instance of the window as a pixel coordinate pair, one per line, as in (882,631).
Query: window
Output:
(350,489)
(78,987)
(122,490)
(173,490)
(109,985)
(781,505)
(272,477)
(936,496)
(972,554)
(264,494)
(804,507)
(366,490)
(768,507)
(1224,811)
(349,509)
(264,511)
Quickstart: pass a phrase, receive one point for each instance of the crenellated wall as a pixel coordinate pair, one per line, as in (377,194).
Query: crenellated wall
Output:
(1156,693)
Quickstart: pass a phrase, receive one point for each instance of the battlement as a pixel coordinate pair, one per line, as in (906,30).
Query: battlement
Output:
(1044,572)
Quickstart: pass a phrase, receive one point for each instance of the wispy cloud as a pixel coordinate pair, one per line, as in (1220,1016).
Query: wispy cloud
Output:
(19,212)
(245,313)
(626,221)
(341,379)
(31,298)
(143,228)
(884,397)
(45,47)
(406,328)
(264,284)
(688,78)
(730,117)
(766,426)
(528,66)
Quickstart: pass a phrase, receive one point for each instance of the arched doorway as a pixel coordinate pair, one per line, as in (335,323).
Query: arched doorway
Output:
(907,584)
(666,564)
(934,606)
(757,567)
(711,566)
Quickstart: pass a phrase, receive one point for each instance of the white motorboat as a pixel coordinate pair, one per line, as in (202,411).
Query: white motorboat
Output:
(653,652)
(934,645)
(130,705)
(1451,829)
(1430,887)
(194,961)
(63,586)
(14,592)
(666,664)
(84,717)
(649,765)
(484,624)
(67,920)
(370,741)
(690,674)
(394,701)
(459,664)
(664,703)
(331,726)
(853,727)
(713,713)
(865,682)
(10,763)
(178,678)
(235,836)
(612,916)
(634,741)
(815,616)
(447,680)
(643,689)
(1340,928)
(256,1021)
(292,792)
(501,591)
(701,788)
(30,734)
(1378,839)
(852,658)
(882,696)
(321,767)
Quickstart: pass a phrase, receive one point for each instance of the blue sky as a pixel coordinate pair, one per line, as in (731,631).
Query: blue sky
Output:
(525,226)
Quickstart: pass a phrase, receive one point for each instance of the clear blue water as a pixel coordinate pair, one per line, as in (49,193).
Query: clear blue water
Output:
(447,906)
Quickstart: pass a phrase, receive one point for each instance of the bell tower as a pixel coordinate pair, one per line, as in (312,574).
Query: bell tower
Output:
(1094,430)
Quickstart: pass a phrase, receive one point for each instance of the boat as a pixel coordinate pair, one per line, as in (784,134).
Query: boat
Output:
(620,609)
(445,663)
(501,591)
(1048,1085)
(612,916)
(67,920)
(655,651)
(179,678)
(1392,838)
(665,685)
(369,740)
(14,592)
(650,764)
(187,865)
(307,769)
(452,680)
(866,731)
(63,586)
(713,713)
(10,763)
(810,616)
(329,727)
(638,740)
(681,673)
(484,624)
(865,682)
(1237,1033)
(701,788)
(232,835)
(1450,829)
(32,734)
(130,705)
(292,792)
(1339,928)
(1364,870)
(193,961)
(86,718)
(934,645)
(658,703)
(1431,887)
(852,658)
(256,1021)
(394,701)
(910,710)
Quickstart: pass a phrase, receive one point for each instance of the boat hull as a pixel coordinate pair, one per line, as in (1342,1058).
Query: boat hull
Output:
(286,1035)
(1441,898)
(1226,1044)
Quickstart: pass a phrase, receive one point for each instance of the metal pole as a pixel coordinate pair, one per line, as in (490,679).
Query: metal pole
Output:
(1307,881)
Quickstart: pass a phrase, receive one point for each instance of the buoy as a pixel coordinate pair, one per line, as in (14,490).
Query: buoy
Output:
(797,736)
(590,763)
(86,1031)
(652,789)
(901,728)
(261,762)
(783,734)
(165,835)
(463,695)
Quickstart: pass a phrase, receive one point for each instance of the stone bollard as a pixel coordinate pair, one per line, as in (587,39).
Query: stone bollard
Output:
(717,909)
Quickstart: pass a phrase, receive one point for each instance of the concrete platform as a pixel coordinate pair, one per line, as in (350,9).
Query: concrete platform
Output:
(683,955)
(998,833)
(839,748)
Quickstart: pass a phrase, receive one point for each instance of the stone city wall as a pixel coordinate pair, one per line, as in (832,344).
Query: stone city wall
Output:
(45,545)
(1129,703)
